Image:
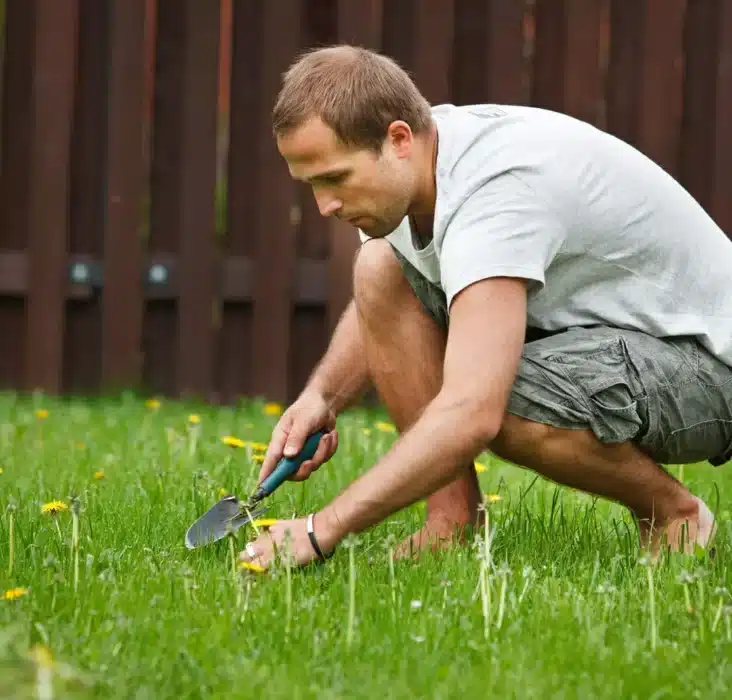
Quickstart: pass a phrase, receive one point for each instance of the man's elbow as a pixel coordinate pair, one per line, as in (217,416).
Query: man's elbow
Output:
(479,421)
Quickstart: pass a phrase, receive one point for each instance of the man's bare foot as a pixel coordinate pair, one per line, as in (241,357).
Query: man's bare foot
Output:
(682,534)
(436,534)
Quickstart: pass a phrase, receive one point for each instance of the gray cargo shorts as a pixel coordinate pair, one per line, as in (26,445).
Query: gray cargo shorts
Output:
(670,397)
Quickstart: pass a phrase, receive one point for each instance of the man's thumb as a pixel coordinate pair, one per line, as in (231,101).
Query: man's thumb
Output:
(293,445)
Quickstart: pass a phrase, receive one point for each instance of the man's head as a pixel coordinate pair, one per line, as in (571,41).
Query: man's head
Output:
(352,124)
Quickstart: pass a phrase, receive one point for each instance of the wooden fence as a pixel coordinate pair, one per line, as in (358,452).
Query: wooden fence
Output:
(150,235)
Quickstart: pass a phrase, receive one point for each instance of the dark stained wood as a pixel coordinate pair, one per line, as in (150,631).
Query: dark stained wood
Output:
(196,182)
(14,177)
(488,53)
(82,328)
(123,292)
(645,77)
(54,60)
(273,226)
(567,74)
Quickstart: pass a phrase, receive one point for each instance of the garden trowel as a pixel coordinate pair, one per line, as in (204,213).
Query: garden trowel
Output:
(229,514)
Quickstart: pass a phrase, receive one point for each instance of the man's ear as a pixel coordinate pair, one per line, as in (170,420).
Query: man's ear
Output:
(400,137)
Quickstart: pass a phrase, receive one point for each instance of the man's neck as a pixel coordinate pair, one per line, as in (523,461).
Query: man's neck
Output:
(422,211)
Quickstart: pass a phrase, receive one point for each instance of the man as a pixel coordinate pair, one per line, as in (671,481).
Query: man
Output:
(478,223)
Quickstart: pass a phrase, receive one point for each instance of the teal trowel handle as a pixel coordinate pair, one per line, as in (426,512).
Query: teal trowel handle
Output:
(287,466)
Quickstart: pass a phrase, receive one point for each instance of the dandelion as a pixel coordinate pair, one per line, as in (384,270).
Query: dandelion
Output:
(264,522)
(367,431)
(15,593)
(232,441)
(222,492)
(153,404)
(194,418)
(41,413)
(1,470)
(493,497)
(250,566)
(385,427)
(272,409)
(258,446)
(54,507)
(99,474)
(258,458)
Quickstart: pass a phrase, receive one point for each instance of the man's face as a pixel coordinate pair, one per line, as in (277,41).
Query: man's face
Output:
(369,190)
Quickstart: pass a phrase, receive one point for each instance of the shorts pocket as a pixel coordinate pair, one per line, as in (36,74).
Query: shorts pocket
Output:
(707,440)
(616,414)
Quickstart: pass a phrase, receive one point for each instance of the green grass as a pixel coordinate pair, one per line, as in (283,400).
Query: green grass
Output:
(562,610)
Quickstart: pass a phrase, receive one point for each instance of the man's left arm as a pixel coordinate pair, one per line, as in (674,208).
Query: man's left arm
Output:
(485,339)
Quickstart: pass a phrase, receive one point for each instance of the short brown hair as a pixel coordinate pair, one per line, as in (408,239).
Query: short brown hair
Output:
(355,91)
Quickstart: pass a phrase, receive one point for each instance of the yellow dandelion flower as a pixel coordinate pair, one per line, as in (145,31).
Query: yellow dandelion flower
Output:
(99,474)
(1,470)
(367,431)
(493,497)
(272,409)
(258,458)
(153,404)
(249,566)
(15,593)
(265,522)
(41,413)
(385,427)
(258,446)
(232,441)
(54,507)
(194,418)
(222,492)
(479,467)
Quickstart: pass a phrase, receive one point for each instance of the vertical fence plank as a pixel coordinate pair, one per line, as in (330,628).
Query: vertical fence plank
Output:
(488,52)
(196,195)
(645,76)
(234,366)
(82,328)
(426,49)
(14,175)
(50,139)
(274,226)
(567,73)
(123,300)
(179,349)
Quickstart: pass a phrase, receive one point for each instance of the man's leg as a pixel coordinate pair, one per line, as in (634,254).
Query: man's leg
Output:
(405,348)
(599,409)
(661,505)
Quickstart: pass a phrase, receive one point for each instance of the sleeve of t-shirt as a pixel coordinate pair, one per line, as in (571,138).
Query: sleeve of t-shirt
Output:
(502,229)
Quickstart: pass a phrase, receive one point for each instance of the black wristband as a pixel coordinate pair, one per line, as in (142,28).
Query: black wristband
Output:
(313,541)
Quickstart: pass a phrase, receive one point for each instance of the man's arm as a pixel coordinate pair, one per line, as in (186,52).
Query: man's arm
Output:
(341,376)
(485,340)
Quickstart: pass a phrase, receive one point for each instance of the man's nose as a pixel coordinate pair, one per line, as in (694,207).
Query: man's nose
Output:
(328,205)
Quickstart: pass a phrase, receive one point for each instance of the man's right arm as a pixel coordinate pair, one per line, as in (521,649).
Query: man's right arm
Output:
(341,376)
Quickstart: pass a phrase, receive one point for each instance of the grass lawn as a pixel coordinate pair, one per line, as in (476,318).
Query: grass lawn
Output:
(558,605)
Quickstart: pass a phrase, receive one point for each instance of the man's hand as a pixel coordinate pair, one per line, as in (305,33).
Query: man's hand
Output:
(289,536)
(309,413)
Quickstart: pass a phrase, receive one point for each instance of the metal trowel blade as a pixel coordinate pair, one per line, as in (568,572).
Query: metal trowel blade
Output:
(218,521)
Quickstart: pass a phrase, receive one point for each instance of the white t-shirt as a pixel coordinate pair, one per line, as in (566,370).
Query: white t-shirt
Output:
(604,235)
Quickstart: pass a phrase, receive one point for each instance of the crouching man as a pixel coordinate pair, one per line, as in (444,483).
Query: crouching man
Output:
(526,284)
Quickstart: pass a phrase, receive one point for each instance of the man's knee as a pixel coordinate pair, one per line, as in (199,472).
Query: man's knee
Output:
(377,275)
